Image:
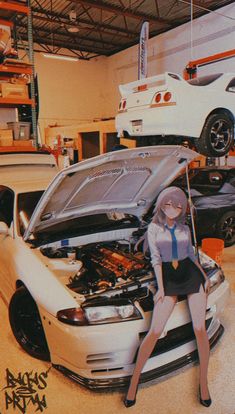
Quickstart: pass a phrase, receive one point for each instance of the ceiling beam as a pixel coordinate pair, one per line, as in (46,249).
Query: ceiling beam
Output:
(127,12)
(66,20)
(63,23)
(64,44)
(73,36)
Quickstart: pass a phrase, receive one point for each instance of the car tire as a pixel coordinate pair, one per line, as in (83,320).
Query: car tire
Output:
(217,136)
(226,228)
(26,325)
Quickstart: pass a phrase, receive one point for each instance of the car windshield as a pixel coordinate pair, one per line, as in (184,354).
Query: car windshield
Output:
(204,80)
(205,182)
(26,204)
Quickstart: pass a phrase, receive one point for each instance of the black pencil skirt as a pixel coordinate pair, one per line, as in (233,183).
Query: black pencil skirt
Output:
(185,279)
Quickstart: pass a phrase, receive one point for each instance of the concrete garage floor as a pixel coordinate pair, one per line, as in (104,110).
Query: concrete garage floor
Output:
(173,395)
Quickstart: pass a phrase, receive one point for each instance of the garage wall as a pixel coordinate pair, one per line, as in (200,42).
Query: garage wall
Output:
(77,92)
(171,51)
(70,92)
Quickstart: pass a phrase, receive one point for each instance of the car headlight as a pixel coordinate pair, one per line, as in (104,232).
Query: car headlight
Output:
(108,311)
(110,314)
(207,262)
(216,279)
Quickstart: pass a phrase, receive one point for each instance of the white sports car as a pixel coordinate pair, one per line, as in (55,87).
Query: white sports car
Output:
(170,109)
(79,294)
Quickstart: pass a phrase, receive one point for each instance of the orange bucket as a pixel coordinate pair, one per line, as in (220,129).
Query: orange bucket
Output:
(214,248)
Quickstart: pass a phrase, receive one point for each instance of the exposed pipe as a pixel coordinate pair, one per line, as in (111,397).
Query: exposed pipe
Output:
(191,29)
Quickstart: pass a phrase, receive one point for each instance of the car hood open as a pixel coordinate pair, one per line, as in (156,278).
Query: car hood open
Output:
(125,181)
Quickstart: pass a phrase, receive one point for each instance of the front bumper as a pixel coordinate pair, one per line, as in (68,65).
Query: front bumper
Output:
(110,384)
(104,358)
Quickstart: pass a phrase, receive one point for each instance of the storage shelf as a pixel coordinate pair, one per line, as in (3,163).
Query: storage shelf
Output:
(9,8)
(15,148)
(16,69)
(16,101)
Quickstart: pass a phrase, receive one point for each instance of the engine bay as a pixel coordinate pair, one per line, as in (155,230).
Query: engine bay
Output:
(104,266)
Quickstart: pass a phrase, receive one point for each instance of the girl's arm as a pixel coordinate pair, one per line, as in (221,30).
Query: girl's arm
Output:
(160,293)
(156,260)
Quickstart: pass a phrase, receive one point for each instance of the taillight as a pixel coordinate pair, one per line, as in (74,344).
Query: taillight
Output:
(142,88)
(167,96)
(122,105)
(158,97)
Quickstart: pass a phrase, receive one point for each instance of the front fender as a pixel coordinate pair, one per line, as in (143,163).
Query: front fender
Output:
(44,287)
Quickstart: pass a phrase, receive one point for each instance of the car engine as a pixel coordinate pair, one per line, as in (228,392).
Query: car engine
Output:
(104,266)
(107,266)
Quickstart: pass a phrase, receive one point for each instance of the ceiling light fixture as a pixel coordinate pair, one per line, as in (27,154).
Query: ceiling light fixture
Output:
(73,29)
(60,57)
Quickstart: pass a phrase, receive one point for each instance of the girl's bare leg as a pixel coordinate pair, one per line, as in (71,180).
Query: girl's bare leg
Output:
(197,306)
(161,313)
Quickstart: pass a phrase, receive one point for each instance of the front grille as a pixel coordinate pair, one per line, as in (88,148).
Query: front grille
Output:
(99,358)
(174,338)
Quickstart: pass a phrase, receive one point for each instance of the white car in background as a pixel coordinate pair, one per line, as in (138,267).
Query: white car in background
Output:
(79,295)
(171,110)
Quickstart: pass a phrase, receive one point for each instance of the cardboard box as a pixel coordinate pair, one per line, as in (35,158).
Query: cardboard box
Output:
(6,134)
(6,137)
(6,142)
(13,90)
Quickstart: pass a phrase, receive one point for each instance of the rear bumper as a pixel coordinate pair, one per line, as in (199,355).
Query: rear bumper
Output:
(158,121)
(109,384)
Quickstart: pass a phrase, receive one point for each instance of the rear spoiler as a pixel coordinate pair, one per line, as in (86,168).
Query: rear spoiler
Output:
(26,158)
(144,84)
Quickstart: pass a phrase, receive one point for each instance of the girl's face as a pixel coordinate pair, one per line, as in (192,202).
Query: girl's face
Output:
(171,211)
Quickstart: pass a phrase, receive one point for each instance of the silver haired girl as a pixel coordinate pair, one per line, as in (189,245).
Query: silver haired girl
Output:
(178,272)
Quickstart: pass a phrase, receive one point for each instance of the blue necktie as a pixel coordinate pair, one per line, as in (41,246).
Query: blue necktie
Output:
(174,243)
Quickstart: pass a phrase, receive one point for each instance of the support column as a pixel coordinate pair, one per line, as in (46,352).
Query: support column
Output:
(32,77)
(79,147)
(103,142)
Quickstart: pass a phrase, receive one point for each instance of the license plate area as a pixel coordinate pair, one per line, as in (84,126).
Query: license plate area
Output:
(137,125)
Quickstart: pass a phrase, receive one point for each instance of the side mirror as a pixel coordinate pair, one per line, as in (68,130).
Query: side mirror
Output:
(4,230)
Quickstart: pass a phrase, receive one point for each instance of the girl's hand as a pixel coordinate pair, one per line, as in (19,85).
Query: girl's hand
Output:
(159,296)
(207,286)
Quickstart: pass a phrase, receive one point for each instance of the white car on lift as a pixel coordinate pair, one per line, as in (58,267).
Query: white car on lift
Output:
(79,294)
(170,109)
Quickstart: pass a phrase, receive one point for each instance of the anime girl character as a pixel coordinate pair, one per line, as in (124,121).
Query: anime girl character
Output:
(178,272)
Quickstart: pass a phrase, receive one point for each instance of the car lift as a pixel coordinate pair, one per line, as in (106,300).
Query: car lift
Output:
(190,71)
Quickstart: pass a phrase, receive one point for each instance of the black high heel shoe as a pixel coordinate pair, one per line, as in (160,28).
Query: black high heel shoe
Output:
(205,403)
(130,403)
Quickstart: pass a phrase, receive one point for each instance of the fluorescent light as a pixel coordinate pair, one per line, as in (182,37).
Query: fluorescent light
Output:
(60,57)
(73,29)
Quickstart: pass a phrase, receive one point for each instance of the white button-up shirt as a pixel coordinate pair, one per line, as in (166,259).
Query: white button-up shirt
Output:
(160,243)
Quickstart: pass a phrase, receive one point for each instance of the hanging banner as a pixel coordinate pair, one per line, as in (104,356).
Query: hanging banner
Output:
(143,51)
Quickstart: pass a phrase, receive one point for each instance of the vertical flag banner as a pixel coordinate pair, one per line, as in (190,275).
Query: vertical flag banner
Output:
(143,51)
